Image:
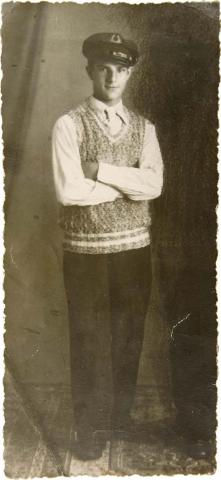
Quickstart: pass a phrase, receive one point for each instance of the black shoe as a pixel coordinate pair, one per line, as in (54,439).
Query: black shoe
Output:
(133,431)
(125,428)
(88,447)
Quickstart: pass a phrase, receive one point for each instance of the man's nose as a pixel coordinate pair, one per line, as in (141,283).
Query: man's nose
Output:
(111,76)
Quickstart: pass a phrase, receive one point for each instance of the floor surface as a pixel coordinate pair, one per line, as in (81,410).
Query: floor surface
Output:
(38,432)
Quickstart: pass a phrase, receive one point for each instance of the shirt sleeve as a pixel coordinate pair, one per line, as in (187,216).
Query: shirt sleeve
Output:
(71,186)
(143,183)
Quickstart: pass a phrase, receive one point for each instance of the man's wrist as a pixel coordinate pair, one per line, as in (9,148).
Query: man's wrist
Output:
(90,169)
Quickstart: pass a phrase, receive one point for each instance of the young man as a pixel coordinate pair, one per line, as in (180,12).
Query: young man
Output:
(107,167)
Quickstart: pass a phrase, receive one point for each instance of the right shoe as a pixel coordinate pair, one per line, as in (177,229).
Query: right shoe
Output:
(88,447)
(123,427)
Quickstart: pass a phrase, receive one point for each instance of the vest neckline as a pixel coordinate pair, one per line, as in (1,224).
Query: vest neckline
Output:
(112,138)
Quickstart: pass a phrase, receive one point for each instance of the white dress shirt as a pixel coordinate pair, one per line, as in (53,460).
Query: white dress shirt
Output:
(112,117)
(72,188)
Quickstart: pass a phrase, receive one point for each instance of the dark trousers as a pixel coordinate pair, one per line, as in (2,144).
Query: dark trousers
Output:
(107,301)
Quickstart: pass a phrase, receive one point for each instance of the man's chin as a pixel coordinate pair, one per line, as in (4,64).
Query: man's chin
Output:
(109,96)
(113,95)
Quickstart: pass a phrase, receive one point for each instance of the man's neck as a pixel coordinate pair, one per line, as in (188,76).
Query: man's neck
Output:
(109,103)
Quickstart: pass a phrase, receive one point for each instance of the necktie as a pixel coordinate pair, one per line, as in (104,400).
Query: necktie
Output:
(109,116)
(113,121)
(106,115)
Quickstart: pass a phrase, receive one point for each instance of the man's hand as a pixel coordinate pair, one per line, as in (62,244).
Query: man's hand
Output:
(90,169)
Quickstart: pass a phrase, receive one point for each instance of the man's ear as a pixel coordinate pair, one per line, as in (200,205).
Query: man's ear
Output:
(130,70)
(89,70)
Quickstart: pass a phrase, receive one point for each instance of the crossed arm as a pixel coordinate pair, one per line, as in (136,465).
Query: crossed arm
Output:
(84,183)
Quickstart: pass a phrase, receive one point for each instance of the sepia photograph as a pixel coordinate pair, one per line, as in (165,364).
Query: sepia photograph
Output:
(110,143)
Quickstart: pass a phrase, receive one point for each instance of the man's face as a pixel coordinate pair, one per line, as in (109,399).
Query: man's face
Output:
(109,80)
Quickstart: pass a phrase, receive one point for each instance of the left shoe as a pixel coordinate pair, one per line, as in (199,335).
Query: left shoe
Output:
(88,447)
(126,428)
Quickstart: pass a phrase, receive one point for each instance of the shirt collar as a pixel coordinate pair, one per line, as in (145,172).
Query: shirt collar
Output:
(99,107)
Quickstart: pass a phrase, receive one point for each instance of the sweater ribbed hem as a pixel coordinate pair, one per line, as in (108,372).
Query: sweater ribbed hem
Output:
(108,243)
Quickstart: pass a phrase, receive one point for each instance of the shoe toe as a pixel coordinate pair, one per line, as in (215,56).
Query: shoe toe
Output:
(88,449)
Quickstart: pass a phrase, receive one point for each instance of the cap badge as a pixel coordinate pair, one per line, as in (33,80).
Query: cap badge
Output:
(115,38)
(120,54)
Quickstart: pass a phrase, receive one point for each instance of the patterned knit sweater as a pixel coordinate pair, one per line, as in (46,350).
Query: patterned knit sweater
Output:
(111,226)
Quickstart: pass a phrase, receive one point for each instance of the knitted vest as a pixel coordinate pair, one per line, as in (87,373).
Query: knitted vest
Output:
(111,226)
